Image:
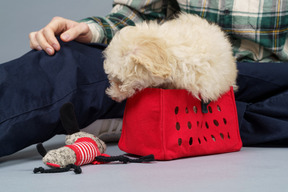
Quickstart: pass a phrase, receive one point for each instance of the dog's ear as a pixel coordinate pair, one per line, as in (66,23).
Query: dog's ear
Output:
(153,55)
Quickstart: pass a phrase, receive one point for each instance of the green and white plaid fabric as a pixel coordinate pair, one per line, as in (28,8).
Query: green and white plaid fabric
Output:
(258,29)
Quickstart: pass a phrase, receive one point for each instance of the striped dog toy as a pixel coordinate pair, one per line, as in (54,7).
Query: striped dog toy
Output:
(81,148)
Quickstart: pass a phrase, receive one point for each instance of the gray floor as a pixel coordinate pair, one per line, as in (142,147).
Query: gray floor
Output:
(250,170)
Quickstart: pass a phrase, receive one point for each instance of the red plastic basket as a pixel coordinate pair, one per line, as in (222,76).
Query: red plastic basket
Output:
(170,124)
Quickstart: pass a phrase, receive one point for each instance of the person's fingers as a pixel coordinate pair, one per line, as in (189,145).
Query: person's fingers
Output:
(79,32)
(55,27)
(33,42)
(43,43)
(45,39)
(51,39)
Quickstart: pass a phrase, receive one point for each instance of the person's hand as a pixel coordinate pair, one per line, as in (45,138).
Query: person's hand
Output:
(68,30)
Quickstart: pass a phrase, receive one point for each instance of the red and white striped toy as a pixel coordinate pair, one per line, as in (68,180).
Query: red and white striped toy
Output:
(81,148)
(86,150)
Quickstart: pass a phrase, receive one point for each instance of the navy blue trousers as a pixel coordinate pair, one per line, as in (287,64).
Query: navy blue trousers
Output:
(34,87)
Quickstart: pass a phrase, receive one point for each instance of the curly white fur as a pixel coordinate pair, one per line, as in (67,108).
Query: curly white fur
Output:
(183,53)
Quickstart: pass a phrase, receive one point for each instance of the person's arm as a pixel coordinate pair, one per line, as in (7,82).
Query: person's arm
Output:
(125,13)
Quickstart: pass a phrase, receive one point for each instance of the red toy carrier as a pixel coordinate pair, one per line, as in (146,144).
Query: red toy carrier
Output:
(170,124)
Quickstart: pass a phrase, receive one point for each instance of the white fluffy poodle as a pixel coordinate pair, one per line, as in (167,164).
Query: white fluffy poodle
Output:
(184,53)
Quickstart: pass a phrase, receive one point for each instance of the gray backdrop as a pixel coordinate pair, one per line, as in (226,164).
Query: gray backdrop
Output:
(20,17)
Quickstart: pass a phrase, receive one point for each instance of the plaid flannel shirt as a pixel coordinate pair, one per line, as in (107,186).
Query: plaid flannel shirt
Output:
(258,29)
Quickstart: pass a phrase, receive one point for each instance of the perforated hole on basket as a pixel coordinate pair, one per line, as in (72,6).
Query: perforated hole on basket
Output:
(199,140)
(187,110)
(213,138)
(216,122)
(195,109)
(222,135)
(179,141)
(205,138)
(176,110)
(189,124)
(210,109)
(178,126)
(224,121)
(218,108)
(206,125)
(190,141)
(228,135)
